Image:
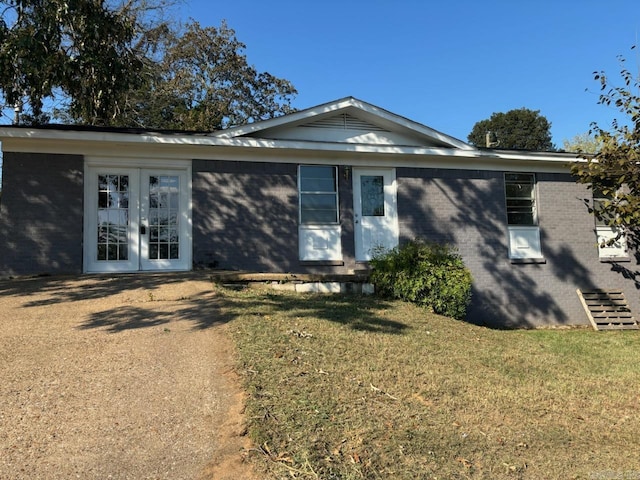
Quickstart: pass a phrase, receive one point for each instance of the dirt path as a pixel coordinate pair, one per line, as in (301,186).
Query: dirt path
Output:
(127,377)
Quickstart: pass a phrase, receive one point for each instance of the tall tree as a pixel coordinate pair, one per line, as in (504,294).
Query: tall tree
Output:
(77,50)
(581,143)
(201,80)
(614,171)
(520,129)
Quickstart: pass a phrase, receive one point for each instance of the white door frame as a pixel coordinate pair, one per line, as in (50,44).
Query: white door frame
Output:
(135,169)
(372,232)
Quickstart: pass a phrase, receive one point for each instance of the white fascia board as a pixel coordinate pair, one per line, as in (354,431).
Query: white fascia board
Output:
(167,147)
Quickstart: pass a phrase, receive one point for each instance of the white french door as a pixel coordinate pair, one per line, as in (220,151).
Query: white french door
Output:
(375,211)
(136,219)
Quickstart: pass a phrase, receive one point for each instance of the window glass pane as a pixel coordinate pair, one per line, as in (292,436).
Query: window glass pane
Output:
(103,199)
(173,218)
(124,183)
(173,251)
(520,218)
(112,217)
(318,194)
(315,201)
(520,198)
(320,172)
(318,216)
(317,184)
(519,190)
(372,193)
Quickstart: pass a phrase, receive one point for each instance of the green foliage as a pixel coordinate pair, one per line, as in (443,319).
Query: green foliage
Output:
(118,63)
(428,274)
(81,51)
(201,80)
(520,129)
(581,143)
(614,171)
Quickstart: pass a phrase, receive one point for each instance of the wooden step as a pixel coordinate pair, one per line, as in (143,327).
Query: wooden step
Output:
(607,309)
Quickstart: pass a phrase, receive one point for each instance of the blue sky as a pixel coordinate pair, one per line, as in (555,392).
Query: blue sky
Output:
(445,64)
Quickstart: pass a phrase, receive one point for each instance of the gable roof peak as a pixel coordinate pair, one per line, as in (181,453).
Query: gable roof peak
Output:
(366,112)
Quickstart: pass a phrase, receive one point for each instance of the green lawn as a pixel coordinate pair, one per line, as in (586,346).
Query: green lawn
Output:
(356,387)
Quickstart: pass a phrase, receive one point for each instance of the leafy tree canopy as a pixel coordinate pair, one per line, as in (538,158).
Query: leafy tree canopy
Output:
(203,81)
(520,129)
(116,63)
(581,143)
(614,171)
(80,50)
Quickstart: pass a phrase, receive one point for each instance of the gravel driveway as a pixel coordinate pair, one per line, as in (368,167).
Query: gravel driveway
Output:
(122,377)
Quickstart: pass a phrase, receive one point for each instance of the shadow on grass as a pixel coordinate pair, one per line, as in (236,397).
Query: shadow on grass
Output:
(202,308)
(358,312)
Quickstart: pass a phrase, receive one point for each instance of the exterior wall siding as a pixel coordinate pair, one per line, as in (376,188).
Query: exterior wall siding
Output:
(41,213)
(467,209)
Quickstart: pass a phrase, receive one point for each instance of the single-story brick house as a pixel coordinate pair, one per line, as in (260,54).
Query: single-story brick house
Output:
(310,192)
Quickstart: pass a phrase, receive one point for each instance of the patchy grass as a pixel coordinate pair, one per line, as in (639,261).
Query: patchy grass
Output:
(349,387)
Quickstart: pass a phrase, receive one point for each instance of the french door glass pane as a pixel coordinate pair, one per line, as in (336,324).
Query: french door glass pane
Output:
(113,217)
(164,193)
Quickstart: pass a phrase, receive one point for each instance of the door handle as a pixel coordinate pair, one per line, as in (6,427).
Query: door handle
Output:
(143,230)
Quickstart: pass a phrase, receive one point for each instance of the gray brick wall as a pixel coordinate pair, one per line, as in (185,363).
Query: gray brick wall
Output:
(245,215)
(467,209)
(41,213)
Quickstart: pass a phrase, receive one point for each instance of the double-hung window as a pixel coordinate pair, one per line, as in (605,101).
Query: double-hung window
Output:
(319,229)
(318,195)
(610,244)
(522,216)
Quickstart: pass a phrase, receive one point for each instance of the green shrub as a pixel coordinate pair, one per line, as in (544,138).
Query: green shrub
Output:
(429,274)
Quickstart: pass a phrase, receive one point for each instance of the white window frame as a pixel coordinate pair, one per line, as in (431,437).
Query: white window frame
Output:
(604,233)
(312,192)
(319,241)
(524,239)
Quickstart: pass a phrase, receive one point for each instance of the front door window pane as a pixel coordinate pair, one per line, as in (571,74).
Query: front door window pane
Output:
(372,192)
(164,195)
(113,217)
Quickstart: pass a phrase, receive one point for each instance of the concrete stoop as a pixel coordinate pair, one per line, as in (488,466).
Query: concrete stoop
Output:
(326,287)
(356,283)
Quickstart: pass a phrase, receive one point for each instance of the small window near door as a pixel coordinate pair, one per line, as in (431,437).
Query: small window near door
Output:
(318,195)
(522,217)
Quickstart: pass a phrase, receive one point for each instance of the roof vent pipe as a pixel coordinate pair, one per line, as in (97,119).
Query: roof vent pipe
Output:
(491,140)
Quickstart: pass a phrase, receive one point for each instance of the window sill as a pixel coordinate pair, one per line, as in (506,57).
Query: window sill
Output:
(528,260)
(322,263)
(615,259)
